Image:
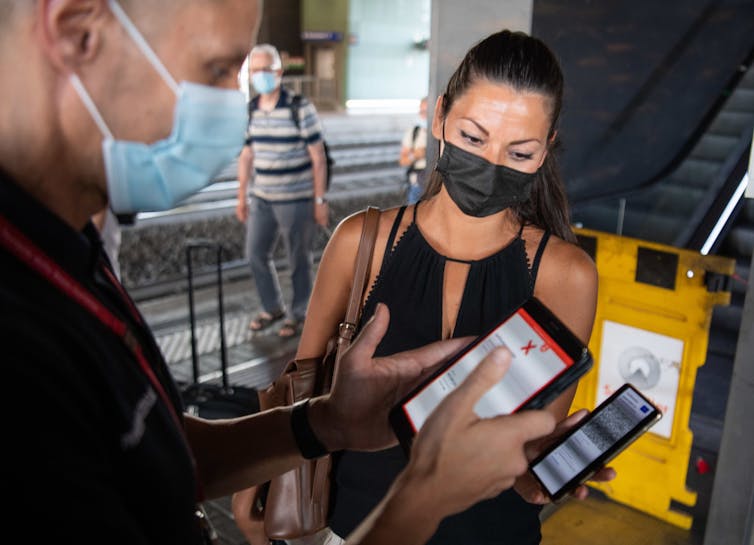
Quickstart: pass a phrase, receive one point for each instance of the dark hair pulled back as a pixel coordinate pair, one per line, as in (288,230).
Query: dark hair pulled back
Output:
(527,65)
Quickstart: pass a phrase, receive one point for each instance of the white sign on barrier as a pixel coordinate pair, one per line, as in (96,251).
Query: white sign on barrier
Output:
(648,360)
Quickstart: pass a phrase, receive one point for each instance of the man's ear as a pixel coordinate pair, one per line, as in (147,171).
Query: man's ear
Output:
(71,30)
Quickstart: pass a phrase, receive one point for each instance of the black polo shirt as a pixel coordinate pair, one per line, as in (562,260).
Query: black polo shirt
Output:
(91,451)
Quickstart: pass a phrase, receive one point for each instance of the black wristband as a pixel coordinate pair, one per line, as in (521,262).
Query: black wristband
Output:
(307,442)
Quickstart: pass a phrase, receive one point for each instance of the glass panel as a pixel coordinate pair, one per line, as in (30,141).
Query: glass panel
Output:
(388,57)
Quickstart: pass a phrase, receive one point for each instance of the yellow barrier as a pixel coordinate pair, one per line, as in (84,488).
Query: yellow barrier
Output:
(651,329)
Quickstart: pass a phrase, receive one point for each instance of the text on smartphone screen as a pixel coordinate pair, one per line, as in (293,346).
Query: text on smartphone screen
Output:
(537,359)
(602,432)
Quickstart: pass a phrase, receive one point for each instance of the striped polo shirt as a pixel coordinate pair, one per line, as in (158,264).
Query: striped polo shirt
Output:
(282,166)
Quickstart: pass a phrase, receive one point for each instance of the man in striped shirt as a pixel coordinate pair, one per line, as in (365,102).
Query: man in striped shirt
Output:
(285,159)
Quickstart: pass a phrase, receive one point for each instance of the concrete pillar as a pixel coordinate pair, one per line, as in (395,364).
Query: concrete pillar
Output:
(456,26)
(731,514)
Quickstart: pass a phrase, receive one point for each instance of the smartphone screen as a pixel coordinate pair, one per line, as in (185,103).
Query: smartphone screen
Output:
(610,428)
(538,359)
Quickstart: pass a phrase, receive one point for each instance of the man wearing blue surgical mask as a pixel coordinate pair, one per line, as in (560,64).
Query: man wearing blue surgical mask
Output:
(284,163)
(134,103)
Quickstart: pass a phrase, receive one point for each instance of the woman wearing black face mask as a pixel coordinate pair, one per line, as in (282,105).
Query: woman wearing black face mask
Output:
(491,230)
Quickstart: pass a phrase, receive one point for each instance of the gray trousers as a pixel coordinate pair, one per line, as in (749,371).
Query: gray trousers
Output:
(293,222)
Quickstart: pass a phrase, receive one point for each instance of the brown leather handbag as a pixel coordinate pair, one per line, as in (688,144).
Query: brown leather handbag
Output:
(297,501)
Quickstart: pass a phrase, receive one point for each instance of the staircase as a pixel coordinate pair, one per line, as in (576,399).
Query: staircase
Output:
(671,210)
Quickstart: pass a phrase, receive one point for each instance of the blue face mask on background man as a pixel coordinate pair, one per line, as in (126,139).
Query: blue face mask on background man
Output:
(208,133)
(264,82)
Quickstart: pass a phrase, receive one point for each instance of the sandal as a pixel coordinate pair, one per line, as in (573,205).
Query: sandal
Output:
(264,319)
(289,328)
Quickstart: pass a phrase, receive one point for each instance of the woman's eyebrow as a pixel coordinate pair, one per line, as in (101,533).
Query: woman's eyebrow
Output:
(486,133)
(514,143)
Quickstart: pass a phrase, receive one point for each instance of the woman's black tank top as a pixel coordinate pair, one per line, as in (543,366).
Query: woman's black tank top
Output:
(410,282)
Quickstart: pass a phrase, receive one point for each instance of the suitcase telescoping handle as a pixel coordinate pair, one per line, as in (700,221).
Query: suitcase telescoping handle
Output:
(194,244)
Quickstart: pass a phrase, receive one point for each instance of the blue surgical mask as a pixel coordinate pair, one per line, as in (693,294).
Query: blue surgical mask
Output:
(208,132)
(264,82)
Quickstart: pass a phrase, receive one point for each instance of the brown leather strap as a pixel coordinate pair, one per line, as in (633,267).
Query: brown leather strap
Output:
(347,328)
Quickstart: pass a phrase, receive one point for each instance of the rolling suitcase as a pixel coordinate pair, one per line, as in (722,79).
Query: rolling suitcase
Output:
(213,400)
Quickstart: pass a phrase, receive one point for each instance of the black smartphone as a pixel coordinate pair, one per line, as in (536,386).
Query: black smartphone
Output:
(601,436)
(547,358)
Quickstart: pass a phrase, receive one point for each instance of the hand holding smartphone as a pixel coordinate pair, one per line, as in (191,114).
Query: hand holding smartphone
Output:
(547,359)
(598,438)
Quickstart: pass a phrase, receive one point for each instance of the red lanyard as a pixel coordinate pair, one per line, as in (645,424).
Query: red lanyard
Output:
(25,250)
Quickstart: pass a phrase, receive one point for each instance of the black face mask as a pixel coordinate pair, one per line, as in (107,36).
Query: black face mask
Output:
(480,188)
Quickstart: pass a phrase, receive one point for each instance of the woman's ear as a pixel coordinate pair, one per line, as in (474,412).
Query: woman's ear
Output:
(542,159)
(437,119)
(550,143)
(71,30)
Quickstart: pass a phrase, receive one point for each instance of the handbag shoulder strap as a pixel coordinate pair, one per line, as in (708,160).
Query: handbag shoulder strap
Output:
(347,328)
(363,265)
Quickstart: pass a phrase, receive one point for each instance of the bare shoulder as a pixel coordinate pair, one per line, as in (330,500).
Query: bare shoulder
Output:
(568,262)
(347,234)
(348,231)
(567,283)
(349,228)
(332,284)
